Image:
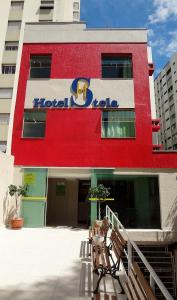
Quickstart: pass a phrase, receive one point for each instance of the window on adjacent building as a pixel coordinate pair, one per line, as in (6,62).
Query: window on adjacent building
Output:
(47,4)
(16,5)
(14,24)
(170,98)
(40,66)
(34,124)
(175,147)
(6,93)
(8,69)
(173,117)
(173,127)
(76,5)
(116,66)
(11,46)
(170,89)
(76,15)
(174,136)
(169,71)
(118,124)
(171,107)
(4,119)
(3,146)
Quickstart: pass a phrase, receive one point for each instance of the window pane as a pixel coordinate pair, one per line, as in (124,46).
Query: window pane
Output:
(4,118)
(8,69)
(3,146)
(40,66)
(76,15)
(117,124)
(36,116)
(34,124)
(6,93)
(17,5)
(76,5)
(14,24)
(116,67)
(11,46)
(34,130)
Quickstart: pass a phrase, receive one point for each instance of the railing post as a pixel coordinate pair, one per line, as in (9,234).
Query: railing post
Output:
(112,219)
(130,255)
(152,283)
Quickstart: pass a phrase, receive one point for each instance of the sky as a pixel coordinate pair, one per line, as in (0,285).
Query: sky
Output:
(158,16)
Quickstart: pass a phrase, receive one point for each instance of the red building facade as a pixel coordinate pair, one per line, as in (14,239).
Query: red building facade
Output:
(73,146)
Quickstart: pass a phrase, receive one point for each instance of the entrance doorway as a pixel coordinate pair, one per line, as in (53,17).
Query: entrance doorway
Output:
(62,202)
(83,202)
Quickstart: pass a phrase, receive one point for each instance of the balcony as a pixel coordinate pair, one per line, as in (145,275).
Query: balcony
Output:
(155,125)
(157,147)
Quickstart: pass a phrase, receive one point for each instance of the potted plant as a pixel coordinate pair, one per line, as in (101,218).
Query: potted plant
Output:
(99,193)
(16,222)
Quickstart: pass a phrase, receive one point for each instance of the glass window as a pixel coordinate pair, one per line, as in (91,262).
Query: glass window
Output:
(76,5)
(118,124)
(3,146)
(8,69)
(47,4)
(14,24)
(116,66)
(134,211)
(11,46)
(4,119)
(173,117)
(76,15)
(6,93)
(17,5)
(34,124)
(40,66)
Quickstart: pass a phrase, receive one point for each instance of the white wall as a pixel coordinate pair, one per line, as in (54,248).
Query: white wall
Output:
(54,33)
(120,90)
(6,178)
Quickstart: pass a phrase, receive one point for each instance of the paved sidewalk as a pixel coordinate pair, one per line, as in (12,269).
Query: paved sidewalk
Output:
(40,263)
(45,264)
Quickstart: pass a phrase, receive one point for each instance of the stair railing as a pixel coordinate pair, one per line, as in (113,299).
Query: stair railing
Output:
(154,279)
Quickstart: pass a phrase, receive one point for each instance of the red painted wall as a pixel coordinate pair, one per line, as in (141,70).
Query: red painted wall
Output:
(73,137)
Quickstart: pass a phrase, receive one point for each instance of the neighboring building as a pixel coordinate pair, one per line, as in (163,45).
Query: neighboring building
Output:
(13,15)
(166,103)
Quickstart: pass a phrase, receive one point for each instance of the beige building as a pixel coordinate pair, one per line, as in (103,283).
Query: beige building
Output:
(13,16)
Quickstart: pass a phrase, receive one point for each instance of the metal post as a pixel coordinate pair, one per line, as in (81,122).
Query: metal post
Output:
(130,255)
(152,283)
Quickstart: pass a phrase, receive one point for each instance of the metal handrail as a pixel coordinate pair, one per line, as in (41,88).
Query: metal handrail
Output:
(131,244)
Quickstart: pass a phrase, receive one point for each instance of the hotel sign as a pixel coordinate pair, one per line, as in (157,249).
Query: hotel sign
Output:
(82,97)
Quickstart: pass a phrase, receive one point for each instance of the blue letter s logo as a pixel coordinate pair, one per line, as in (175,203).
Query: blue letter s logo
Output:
(80,86)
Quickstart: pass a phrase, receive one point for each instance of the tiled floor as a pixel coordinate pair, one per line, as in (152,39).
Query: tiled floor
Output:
(47,264)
